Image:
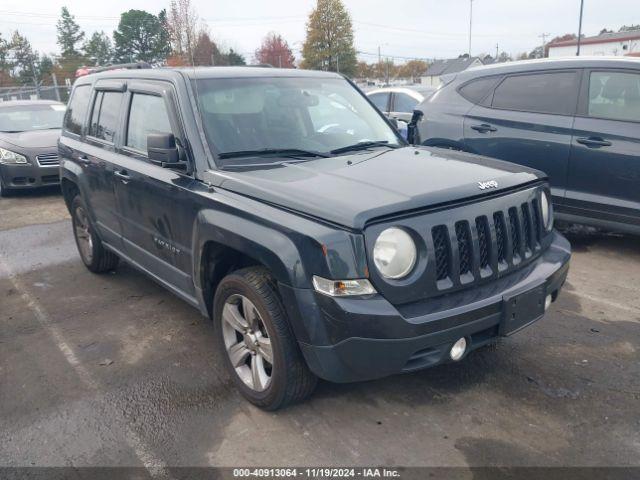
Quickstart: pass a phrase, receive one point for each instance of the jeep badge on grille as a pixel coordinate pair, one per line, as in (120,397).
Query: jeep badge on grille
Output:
(489,184)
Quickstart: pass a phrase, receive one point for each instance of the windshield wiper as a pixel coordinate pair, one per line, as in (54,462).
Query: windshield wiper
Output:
(362,146)
(281,152)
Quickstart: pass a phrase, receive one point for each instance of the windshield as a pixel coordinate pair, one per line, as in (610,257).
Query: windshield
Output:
(274,117)
(22,118)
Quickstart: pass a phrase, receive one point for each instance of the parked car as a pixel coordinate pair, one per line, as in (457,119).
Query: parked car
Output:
(29,131)
(399,102)
(282,205)
(577,119)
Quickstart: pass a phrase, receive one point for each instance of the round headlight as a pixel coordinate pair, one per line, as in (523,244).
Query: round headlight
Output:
(547,218)
(394,253)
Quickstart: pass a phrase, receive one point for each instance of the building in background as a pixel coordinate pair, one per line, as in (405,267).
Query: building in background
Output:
(608,44)
(444,67)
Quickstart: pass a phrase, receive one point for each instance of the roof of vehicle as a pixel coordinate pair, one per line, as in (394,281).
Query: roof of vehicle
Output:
(17,103)
(449,65)
(206,72)
(423,90)
(550,63)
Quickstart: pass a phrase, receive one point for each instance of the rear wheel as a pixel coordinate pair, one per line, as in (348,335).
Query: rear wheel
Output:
(261,352)
(95,257)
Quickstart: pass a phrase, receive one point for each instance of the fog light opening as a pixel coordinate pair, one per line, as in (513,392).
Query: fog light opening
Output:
(458,349)
(547,302)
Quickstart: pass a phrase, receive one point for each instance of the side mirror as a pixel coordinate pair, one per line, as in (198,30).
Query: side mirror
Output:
(162,150)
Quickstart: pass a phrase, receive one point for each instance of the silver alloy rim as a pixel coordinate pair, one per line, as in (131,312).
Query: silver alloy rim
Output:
(83,235)
(247,342)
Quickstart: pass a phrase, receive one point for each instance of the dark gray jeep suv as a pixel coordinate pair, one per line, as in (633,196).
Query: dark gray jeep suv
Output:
(283,205)
(576,119)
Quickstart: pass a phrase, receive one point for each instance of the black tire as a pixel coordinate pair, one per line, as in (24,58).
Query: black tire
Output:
(291,380)
(3,190)
(95,257)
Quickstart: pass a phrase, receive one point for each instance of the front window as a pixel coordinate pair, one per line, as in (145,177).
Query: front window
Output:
(24,118)
(245,117)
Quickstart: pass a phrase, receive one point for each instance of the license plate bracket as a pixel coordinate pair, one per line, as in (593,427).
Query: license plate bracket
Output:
(521,309)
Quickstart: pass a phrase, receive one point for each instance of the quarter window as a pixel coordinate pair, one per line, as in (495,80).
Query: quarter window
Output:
(539,92)
(77,109)
(477,89)
(105,116)
(614,95)
(148,114)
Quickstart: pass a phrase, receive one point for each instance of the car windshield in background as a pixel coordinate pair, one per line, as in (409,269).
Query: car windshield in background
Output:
(273,118)
(23,118)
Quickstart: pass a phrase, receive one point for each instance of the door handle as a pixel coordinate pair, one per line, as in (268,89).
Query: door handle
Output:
(84,160)
(484,128)
(593,142)
(122,175)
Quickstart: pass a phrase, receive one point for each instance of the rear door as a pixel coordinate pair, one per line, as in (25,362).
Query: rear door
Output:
(402,106)
(528,119)
(604,168)
(99,157)
(381,100)
(157,207)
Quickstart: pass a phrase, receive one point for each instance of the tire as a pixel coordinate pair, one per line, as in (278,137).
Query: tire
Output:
(289,378)
(94,256)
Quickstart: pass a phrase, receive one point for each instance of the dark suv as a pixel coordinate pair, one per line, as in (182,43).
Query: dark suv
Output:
(577,119)
(283,205)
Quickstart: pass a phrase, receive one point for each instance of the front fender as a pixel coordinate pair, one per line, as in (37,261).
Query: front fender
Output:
(291,246)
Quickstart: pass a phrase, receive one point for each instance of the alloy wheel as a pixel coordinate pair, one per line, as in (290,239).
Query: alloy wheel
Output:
(83,234)
(247,342)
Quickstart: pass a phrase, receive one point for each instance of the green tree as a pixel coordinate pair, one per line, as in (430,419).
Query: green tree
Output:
(234,58)
(329,42)
(69,34)
(24,59)
(98,49)
(139,37)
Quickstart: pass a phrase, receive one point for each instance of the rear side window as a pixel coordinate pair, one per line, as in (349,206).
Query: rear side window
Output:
(148,114)
(539,92)
(404,103)
(77,109)
(380,100)
(105,115)
(477,89)
(615,96)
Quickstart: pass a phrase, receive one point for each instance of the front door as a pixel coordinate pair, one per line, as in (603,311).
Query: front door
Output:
(604,168)
(157,208)
(528,120)
(97,159)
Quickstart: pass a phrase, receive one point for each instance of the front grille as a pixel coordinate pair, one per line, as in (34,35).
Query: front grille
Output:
(463,236)
(442,249)
(536,221)
(48,160)
(515,235)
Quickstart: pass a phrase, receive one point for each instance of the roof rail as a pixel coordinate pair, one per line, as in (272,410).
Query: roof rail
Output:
(82,71)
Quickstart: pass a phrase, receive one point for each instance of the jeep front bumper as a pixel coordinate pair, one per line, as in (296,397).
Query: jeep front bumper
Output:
(351,339)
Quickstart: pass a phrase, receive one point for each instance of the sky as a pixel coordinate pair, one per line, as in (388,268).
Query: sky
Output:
(402,29)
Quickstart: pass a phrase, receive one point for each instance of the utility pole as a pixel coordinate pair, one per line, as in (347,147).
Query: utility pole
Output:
(544,42)
(580,27)
(55,85)
(497,52)
(470,24)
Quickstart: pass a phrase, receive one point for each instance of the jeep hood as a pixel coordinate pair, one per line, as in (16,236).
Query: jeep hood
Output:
(351,190)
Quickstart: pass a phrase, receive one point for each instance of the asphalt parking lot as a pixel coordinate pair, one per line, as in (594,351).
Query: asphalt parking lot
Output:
(113,370)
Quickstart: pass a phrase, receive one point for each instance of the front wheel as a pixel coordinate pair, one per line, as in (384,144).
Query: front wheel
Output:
(95,257)
(261,352)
